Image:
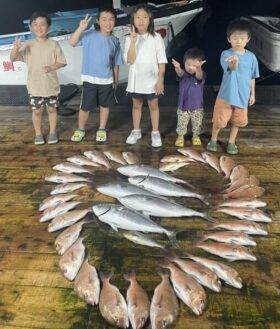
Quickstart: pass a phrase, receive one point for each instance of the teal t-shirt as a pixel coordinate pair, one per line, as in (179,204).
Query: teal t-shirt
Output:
(236,84)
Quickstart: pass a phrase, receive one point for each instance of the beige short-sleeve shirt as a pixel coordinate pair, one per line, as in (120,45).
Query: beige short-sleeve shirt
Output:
(36,55)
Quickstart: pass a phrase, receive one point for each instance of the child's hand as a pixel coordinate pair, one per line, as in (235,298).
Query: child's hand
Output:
(17,43)
(47,69)
(159,88)
(133,34)
(84,22)
(198,63)
(252,100)
(175,64)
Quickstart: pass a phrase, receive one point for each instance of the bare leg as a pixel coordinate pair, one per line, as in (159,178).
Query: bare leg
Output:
(52,112)
(215,132)
(103,117)
(83,118)
(233,134)
(37,120)
(154,113)
(136,112)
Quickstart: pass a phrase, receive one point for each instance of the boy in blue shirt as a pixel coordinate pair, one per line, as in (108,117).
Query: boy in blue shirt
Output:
(237,89)
(101,59)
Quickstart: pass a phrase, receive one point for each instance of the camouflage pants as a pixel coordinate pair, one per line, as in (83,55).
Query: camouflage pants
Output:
(196,117)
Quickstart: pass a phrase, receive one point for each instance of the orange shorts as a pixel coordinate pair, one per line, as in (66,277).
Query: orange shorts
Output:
(224,112)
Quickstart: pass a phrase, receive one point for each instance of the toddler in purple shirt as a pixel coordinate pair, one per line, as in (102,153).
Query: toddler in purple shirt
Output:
(190,103)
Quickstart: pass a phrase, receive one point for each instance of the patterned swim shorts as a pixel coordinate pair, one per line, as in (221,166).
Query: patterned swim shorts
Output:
(37,102)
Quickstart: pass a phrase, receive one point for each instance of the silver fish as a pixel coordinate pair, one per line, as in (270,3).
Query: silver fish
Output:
(82,161)
(252,214)
(60,209)
(164,306)
(112,304)
(55,200)
(67,219)
(138,304)
(87,284)
(115,156)
(142,239)
(71,261)
(65,239)
(231,252)
(72,168)
(120,217)
(67,187)
(144,170)
(163,187)
(230,237)
(154,206)
(99,157)
(224,272)
(61,177)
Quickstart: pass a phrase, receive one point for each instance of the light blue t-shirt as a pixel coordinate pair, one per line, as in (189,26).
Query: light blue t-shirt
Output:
(100,54)
(236,84)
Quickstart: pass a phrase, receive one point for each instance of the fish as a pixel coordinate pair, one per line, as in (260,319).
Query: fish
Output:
(115,156)
(252,214)
(245,226)
(71,261)
(199,272)
(249,192)
(138,304)
(82,161)
(121,189)
(172,166)
(186,288)
(65,239)
(230,237)
(60,209)
(55,200)
(248,181)
(248,203)
(226,165)
(212,160)
(87,284)
(177,158)
(61,177)
(231,252)
(98,157)
(164,188)
(72,168)
(121,217)
(154,206)
(67,187)
(67,219)
(142,239)
(238,172)
(164,308)
(112,304)
(130,158)
(144,170)
(191,153)
(223,271)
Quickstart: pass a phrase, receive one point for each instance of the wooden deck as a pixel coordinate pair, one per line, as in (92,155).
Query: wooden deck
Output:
(34,294)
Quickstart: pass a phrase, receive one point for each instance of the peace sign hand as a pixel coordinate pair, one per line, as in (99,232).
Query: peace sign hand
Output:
(198,63)
(84,22)
(17,43)
(133,34)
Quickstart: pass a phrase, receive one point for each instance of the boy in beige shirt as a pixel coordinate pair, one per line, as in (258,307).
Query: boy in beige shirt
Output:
(43,56)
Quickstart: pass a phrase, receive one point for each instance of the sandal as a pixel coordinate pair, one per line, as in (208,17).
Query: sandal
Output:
(212,146)
(180,142)
(232,149)
(196,141)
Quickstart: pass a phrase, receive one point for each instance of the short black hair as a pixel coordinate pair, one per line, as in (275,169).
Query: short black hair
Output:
(104,10)
(151,26)
(238,25)
(42,14)
(194,53)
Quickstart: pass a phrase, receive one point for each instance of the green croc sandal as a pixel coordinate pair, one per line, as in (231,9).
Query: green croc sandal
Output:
(212,146)
(232,149)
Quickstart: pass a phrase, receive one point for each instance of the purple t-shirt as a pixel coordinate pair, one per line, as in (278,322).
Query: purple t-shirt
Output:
(190,92)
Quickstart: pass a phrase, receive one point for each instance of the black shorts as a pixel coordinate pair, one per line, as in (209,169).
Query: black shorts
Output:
(142,96)
(94,95)
(37,102)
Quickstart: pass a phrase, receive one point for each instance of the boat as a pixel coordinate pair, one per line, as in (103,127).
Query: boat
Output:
(170,19)
(265,40)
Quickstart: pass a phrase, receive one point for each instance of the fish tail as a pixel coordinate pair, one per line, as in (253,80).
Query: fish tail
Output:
(163,272)
(130,276)
(200,237)
(172,237)
(105,276)
(204,199)
(187,183)
(208,217)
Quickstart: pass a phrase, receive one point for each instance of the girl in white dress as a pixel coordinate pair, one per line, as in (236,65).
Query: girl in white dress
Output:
(145,53)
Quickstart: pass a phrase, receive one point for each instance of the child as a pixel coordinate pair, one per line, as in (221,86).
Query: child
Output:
(190,95)
(43,56)
(101,57)
(145,52)
(238,85)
